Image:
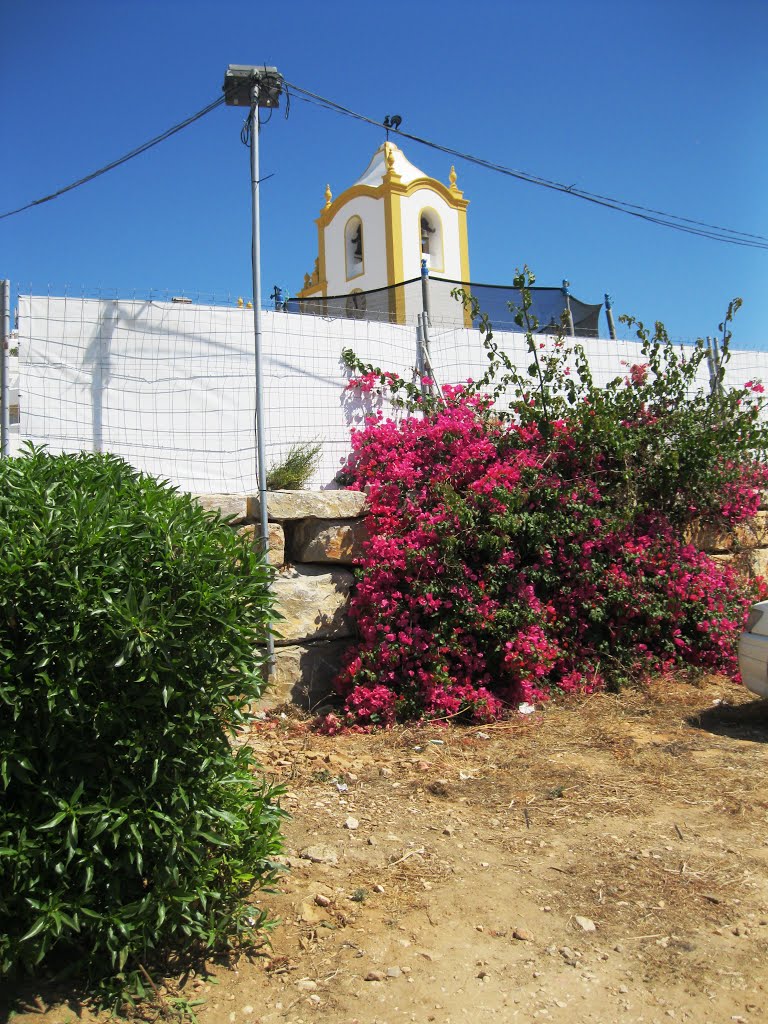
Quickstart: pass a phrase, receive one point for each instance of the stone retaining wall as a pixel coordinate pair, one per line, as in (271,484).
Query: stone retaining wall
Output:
(746,546)
(314,539)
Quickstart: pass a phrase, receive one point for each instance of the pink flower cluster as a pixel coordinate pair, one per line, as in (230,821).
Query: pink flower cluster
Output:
(368,382)
(638,374)
(741,491)
(498,571)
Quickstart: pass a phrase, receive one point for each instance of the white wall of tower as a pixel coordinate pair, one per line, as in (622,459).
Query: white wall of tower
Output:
(390,200)
(411,207)
(371,213)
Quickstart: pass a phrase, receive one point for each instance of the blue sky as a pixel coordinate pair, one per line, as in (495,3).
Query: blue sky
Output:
(664,104)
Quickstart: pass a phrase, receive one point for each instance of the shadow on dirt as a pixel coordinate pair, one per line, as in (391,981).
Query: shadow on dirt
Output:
(747,722)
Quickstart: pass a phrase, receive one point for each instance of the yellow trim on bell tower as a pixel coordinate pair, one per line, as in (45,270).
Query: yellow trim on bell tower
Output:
(392,190)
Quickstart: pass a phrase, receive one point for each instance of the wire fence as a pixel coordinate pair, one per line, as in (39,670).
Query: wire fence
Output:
(170,385)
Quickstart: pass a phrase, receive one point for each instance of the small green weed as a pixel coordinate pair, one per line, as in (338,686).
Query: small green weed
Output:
(295,469)
(184,1009)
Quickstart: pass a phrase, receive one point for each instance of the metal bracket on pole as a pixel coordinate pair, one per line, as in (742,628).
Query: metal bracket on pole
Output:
(5,333)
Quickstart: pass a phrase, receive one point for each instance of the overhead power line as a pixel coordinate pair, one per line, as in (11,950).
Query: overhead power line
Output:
(663,219)
(688,225)
(120,160)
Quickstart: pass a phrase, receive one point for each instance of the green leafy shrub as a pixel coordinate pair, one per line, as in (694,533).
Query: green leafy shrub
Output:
(296,468)
(129,619)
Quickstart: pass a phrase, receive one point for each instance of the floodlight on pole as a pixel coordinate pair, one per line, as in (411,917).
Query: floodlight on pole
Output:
(239,80)
(255,87)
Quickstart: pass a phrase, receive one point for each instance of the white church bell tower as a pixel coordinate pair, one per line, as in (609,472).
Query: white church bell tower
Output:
(376,233)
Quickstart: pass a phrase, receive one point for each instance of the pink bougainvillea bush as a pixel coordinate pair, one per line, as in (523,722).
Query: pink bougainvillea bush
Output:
(530,545)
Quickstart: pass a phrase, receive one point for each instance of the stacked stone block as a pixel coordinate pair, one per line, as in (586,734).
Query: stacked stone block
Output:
(315,537)
(745,546)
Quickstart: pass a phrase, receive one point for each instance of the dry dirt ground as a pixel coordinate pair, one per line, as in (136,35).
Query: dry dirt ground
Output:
(602,860)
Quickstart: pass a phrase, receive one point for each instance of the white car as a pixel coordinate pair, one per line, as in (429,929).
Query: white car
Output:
(753,650)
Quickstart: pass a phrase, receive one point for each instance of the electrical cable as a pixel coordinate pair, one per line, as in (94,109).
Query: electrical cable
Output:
(660,217)
(245,131)
(523,175)
(121,160)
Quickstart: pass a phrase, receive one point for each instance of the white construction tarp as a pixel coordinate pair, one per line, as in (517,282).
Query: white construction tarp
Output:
(170,386)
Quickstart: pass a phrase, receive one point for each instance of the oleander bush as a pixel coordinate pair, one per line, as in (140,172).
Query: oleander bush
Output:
(129,619)
(527,531)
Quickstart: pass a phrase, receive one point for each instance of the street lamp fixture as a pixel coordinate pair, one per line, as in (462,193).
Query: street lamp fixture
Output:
(239,80)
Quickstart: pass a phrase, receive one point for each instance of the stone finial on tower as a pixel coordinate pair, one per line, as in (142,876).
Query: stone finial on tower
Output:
(390,151)
(452,179)
(328,196)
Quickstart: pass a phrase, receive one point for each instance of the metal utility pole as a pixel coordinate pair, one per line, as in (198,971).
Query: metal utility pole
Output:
(426,305)
(424,324)
(708,348)
(261,468)
(609,317)
(5,333)
(420,351)
(256,87)
(717,360)
(567,294)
